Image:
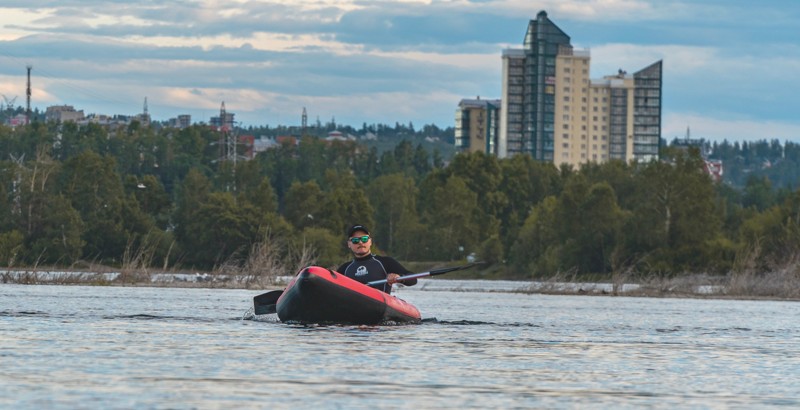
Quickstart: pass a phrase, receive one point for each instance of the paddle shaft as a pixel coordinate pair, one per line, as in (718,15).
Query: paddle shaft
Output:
(423,274)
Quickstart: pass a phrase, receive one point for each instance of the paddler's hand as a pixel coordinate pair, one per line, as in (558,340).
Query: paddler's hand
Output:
(392,278)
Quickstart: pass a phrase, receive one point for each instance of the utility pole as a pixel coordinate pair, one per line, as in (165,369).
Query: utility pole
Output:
(304,123)
(28,94)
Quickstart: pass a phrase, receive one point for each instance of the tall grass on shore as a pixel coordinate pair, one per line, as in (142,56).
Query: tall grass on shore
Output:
(267,262)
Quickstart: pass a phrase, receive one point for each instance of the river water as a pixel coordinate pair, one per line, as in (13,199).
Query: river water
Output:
(77,347)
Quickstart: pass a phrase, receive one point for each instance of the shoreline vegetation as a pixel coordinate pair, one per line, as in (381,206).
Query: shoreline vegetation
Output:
(269,266)
(783,284)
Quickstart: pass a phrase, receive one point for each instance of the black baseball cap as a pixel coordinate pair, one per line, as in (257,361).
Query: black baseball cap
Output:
(355,228)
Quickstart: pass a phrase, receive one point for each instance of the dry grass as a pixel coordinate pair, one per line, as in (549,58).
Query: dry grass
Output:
(268,261)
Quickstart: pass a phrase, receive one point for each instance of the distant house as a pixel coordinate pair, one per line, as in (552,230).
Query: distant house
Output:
(262,144)
(17,120)
(335,136)
(287,139)
(248,142)
(713,168)
(339,136)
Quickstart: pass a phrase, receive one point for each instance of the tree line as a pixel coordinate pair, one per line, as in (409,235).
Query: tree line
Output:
(166,198)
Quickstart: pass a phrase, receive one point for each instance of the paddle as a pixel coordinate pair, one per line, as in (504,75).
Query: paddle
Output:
(264,303)
(423,274)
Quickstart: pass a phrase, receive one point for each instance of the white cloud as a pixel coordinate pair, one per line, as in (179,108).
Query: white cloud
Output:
(387,61)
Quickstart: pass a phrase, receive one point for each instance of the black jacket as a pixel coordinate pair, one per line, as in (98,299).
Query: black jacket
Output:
(374,267)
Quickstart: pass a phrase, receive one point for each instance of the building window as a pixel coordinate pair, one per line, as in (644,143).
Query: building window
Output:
(565,117)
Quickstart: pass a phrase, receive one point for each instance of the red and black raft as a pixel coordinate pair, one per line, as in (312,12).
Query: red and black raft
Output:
(319,295)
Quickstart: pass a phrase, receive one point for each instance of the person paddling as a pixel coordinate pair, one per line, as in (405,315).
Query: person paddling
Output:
(368,267)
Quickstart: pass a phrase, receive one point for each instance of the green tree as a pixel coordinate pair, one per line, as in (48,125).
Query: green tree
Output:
(95,190)
(675,222)
(220,231)
(394,198)
(152,198)
(304,204)
(328,247)
(55,235)
(537,249)
(758,193)
(524,183)
(344,204)
(193,192)
(452,216)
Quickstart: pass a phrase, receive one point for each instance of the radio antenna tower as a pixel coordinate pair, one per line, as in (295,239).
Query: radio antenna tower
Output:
(304,123)
(227,141)
(145,114)
(28,94)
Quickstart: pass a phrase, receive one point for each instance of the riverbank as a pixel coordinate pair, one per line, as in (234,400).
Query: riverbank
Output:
(784,285)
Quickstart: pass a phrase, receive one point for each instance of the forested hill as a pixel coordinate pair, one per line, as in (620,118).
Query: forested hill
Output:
(163,197)
(750,162)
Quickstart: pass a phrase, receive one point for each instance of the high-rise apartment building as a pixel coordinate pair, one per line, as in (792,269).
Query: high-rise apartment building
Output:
(552,110)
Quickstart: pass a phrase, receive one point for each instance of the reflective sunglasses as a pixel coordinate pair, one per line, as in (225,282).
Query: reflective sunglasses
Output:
(363,239)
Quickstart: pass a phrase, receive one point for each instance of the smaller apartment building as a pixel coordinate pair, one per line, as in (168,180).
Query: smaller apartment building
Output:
(63,113)
(477,125)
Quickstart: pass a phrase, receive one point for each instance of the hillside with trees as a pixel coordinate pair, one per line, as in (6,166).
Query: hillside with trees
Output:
(161,198)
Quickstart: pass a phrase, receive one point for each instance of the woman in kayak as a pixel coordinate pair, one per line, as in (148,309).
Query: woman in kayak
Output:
(367,267)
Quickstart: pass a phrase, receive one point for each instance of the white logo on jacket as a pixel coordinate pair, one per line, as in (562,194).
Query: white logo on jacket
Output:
(361,271)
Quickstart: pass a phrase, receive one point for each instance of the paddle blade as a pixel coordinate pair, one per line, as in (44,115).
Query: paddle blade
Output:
(265,303)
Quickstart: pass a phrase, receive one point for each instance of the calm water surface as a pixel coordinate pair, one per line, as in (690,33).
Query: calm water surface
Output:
(109,347)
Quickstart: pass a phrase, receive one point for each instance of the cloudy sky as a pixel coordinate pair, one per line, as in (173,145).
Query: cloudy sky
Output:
(730,66)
